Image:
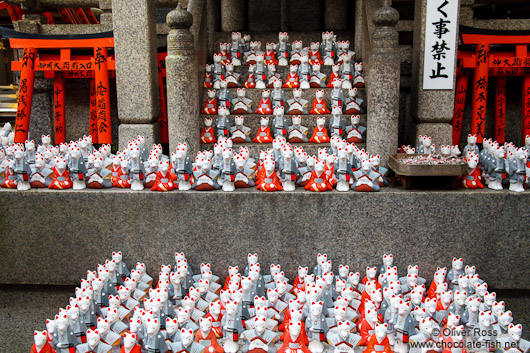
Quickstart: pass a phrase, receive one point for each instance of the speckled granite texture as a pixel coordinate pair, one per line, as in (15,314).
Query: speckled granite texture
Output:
(233,15)
(136,60)
(264,15)
(127,132)
(182,83)
(383,79)
(53,237)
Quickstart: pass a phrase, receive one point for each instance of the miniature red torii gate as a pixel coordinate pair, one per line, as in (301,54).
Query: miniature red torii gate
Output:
(487,63)
(98,67)
(100,64)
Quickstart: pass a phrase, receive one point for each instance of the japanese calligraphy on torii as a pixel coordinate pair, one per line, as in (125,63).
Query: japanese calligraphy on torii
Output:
(440,44)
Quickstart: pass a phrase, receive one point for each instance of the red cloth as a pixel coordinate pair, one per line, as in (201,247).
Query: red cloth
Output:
(213,341)
(315,58)
(312,185)
(364,331)
(476,183)
(373,342)
(60,185)
(161,186)
(212,110)
(331,175)
(263,139)
(273,185)
(264,107)
(319,139)
(115,176)
(9,184)
(218,331)
(297,284)
(250,83)
(295,83)
(319,111)
(208,139)
(333,78)
(208,84)
(270,58)
(47,348)
(120,183)
(136,349)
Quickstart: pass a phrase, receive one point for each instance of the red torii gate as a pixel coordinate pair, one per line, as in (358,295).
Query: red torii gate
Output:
(98,67)
(487,63)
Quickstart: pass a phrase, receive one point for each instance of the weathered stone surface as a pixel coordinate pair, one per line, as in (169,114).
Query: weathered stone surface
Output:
(426,228)
(182,82)
(75,29)
(336,15)
(264,15)
(305,15)
(233,15)
(383,79)
(441,133)
(127,132)
(41,121)
(136,60)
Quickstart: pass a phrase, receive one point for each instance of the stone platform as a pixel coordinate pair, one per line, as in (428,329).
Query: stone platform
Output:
(50,238)
(53,237)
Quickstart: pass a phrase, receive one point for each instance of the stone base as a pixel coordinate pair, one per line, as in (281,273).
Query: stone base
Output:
(53,237)
(441,133)
(127,132)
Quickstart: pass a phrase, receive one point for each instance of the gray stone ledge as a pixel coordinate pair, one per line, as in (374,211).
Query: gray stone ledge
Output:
(53,237)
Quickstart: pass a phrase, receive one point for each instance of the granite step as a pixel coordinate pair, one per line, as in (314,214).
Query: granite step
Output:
(254,148)
(308,94)
(253,120)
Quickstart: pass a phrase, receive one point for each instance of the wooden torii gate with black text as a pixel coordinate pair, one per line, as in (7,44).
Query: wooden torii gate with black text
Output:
(482,63)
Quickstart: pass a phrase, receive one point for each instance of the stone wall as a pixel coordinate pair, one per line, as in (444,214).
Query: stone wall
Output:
(53,237)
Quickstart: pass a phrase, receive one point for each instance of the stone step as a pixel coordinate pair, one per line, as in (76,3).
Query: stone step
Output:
(309,121)
(254,148)
(308,94)
(305,37)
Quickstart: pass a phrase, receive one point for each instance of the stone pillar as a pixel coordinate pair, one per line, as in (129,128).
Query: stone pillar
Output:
(232,15)
(359,18)
(136,69)
(383,85)
(432,110)
(182,82)
(106,16)
(336,15)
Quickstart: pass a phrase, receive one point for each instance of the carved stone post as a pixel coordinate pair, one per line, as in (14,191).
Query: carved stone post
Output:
(136,70)
(233,15)
(182,82)
(383,85)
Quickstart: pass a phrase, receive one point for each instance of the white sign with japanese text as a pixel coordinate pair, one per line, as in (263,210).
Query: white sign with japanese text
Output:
(440,44)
